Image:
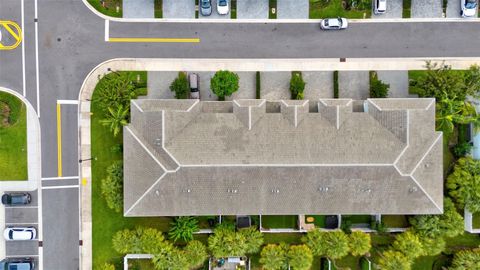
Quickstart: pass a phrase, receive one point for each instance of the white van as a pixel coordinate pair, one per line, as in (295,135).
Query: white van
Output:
(194,81)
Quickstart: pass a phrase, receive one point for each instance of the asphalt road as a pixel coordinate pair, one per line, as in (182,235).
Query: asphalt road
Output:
(71,43)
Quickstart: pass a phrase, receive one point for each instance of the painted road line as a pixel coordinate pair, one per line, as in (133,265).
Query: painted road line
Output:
(107,30)
(67,102)
(59,140)
(155,40)
(37,72)
(59,178)
(16,33)
(60,187)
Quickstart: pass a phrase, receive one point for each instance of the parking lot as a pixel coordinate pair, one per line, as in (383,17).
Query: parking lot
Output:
(22,216)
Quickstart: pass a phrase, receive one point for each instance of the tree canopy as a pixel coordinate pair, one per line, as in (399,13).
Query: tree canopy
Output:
(180,86)
(360,243)
(224,83)
(464,184)
(393,260)
(274,257)
(466,260)
(409,244)
(183,228)
(196,253)
(333,244)
(225,241)
(300,257)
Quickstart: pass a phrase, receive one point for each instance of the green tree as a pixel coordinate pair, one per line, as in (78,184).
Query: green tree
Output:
(116,118)
(114,90)
(152,241)
(112,186)
(253,239)
(409,244)
(330,244)
(464,184)
(128,241)
(359,243)
(274,257)
(451,112)
(466,260)
(180,86)
(106,266)
(300,257)
(432,247)
(226,242)
(378,89)
(393,260)
(183,228)
(449,224)
(171,259)
(297,85)
(196,253)
(224,83)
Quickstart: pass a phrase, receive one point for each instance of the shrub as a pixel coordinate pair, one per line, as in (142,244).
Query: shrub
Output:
(462,149)
(180,86)
(274,257)
(300,257)
(224,83)
(297,85)
(128,241)
(112,186)
(330,244)
(225,241)
(182,228)
(378,89)
(379,226)
(106,266)
(14,104)
(257,85)
(114,90)
(466,259)
(196,253)
(335,84)
(463,184)
(409,244)
(393,260)
(360,243)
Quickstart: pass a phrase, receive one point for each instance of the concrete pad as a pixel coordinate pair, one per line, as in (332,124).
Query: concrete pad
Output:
(394,10)
(319,84)
(252,9)
(214,14)
(158,84)
(247,89)
(353,84)
(138,9)
(205,91)
(21,215)
(275,85)
(293,9)
(180,9)
(453,9)
(398,81)
(427,9)
(21,248)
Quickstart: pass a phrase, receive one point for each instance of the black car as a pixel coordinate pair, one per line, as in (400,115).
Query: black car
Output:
(16,198)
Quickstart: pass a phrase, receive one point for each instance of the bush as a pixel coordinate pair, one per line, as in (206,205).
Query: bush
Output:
(378,89)
(462,149)
(112,186)
(462,184)
(196,253)
(379,226)
(224,83)
(15,106)
(257,85)
(297,85)
(180,86)
(183,228)
(335,84)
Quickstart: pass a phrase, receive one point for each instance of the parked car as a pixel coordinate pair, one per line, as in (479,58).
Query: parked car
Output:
(468,8)
(16,198)
(20,233)
(194,82)
(222,7)
(17,264)
(206,7)
(334,23)
(380,6)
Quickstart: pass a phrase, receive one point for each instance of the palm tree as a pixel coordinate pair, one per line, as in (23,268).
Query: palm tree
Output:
(116,119)
(182,228)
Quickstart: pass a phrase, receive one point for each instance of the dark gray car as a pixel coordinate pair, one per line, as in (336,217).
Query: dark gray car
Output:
(206,7)
(16,198)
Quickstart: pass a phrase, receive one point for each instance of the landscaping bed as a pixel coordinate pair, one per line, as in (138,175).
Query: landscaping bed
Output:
(109,7)
(395,221)
(13,138)
(476,220)
(279,222)
(320,9)
(319,221)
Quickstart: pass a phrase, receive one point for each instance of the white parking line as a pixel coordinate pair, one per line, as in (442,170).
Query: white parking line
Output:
(20,256)
(60,187)
(20,207)
(21,223)
(60,178)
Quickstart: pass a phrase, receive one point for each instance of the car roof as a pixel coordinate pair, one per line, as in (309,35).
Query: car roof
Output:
(333,22)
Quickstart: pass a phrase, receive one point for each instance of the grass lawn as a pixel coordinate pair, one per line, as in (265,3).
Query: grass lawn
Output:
(320,9)
(395,221)
(358,219)
(110,7)
(106,221)
(279,222)
(13,138)
(158,8)
(272,5)
(319,221)
(407,5)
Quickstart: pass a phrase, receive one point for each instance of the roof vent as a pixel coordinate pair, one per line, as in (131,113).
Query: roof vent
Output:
(158,142)
(275,191)
(412,189)
(323,189)
(157,192)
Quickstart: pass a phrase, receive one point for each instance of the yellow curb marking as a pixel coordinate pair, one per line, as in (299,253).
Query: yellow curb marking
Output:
(84,181)
(59,140)
(156,40)
(16,34)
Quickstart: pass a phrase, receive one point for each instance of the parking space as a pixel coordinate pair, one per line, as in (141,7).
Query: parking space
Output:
(179,9)
(214,14)
(427,9)
(453,9)
(394,10)
(252,9)
(22,216)
(293,9)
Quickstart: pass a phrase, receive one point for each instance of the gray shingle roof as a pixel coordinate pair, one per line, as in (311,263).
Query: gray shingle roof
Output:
(185,157)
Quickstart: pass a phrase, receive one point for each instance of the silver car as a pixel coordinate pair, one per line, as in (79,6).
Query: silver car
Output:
(194,82)
(334,24)
(206,7)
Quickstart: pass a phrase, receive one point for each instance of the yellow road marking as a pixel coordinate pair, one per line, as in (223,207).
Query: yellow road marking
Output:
(59,140)
(157,40)
(84,181)
(18,35)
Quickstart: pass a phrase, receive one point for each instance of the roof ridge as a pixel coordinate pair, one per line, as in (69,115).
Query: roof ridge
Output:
(144,194)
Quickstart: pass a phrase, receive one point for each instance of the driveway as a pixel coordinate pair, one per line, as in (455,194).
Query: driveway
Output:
(353,84)
(453,9)
(138,9)
(427,9)
(394,10)
(292,9)
(179,9)
(252,9)
(398,80)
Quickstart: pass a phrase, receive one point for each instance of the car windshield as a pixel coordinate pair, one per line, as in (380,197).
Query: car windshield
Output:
(205,3)
(17,199)
(222,3)
(471,4)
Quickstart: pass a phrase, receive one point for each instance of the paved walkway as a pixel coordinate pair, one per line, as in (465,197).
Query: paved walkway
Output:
(354,84)
(138,9)
(293,9)
(427,9)
(252,9)
(178,9)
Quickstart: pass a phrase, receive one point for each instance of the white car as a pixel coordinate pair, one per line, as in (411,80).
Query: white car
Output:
(222,7)
(20,233)
(468,8)
(380,6)
(334,24)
